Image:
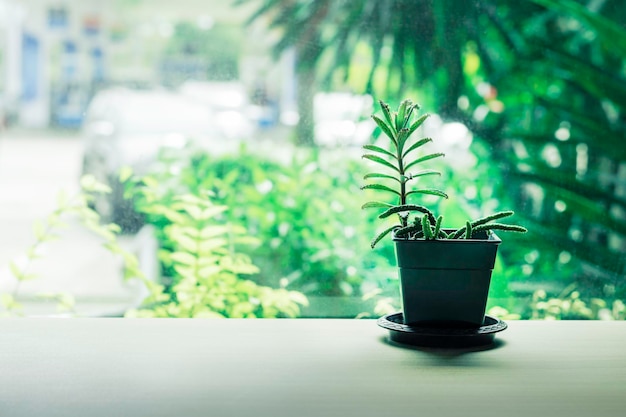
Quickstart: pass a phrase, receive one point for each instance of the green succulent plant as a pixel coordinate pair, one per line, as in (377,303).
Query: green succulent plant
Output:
(400,178)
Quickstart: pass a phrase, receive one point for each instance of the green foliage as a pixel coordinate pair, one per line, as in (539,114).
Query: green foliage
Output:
(399,126)
(301,207)
(569,305)
(515,73)
(198,250)
(48,230)
(217,47)
(560,140)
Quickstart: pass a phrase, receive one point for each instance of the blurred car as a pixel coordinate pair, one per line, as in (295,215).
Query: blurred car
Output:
(229,102)
(128,128)
(342,119)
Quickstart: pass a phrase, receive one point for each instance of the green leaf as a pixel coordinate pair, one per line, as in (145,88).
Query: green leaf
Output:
(501,227)
(423,159)
(381,235)
(89,184)
(428,232)
(411,176)
(429,191)
(9,302)
(380,187)
(418,123)
(492,217)
(416,145)
(377,175)
(438,226)
(185,258)
(400,115)
(376,204)
(378,149)
(150,182)
(62,199)
(468,230)
(384,128)
(386,112)
(403,135)
(405,207)
(381,161)
(15,270)
(125,174)
(414,228)
(39,230)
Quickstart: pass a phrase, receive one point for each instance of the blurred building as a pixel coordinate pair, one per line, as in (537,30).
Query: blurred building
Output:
(55,54)
(52,57)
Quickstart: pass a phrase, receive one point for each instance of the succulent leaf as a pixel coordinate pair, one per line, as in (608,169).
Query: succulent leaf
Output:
(385,108)
(405,207)
(377,175)
(400,119)
(381,235)
(376,204)
(380,187)
(418,123)
(386,129)
(424,158)
(405,231)
(399,126)
(438,227)
(416,145)
(378,149)
(429,191)
(468,230)
(381,161)
(428,232)
(411,176)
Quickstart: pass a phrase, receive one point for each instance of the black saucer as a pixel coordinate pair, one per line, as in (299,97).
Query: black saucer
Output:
(436,336)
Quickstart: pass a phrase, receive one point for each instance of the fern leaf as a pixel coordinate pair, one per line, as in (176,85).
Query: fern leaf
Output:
(390,134)
(411,176)
(400,115)
(377,175)
(378,149)
(424,158)
(380,187)
(382,235)
(403,135)
(376,204)
(416,145)
(418,123)
(429,191)
(381,161)
(387,113)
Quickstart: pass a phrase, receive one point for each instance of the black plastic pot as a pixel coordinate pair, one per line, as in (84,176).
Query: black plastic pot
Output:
(446,282)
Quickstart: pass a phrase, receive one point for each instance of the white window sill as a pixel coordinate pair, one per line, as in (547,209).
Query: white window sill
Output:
(307,367)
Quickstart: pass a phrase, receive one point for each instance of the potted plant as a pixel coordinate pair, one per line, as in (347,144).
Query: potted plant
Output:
(444,272)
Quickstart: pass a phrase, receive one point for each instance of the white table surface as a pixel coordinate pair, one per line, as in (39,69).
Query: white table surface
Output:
(300,368)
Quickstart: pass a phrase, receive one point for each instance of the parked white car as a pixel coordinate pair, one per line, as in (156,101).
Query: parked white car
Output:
(128,128)
(343,119)
(229,102)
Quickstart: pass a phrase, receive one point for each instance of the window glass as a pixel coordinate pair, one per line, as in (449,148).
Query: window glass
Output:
(204,158)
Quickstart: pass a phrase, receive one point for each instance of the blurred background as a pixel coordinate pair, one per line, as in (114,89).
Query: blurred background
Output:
(260,108)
